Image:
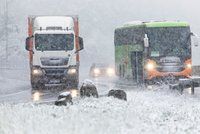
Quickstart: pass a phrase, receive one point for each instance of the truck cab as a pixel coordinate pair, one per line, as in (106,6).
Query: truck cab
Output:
(54,44)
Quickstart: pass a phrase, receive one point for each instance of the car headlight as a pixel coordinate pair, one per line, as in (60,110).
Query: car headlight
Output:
(96,71)
(72,71)
(110,71)
(150,66)
(37,71)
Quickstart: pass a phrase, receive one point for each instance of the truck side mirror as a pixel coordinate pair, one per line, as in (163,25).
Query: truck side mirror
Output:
(27,47)
(146,41)
(81,45)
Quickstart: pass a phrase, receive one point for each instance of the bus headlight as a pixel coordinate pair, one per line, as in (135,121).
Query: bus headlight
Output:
(37,72)
(150,66)
(189,65)
(71,71)
(110,71)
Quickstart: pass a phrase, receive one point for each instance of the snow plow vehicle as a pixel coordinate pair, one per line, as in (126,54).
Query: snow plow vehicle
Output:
(53,43)
(154,51)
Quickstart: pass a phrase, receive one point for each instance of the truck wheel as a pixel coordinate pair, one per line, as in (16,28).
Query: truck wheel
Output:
(37,86)
(34,86)
(74,84)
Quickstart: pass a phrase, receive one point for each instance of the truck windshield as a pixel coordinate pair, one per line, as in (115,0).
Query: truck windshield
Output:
(54,42)
(171,41)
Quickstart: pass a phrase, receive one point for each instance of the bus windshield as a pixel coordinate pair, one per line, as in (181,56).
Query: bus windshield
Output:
(54,42)
(170,41)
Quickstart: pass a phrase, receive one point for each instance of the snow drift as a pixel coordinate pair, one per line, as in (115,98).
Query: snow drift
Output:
(147,112)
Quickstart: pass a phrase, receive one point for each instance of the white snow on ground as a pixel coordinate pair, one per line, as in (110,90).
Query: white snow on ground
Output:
(146,111)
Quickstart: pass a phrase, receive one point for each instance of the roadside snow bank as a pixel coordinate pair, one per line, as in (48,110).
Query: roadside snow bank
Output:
(145,111)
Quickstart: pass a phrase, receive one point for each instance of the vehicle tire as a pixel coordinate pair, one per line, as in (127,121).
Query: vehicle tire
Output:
(34,86)
(148,82)
(74,83)
(37,86)
(71,83)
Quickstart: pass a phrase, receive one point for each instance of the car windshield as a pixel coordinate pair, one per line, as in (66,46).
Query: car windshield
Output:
(173,41)
(54,42)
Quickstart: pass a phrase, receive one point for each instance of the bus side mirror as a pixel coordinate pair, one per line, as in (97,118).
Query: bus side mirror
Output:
(146,41)
(27,47)
(195,40)
(81,45)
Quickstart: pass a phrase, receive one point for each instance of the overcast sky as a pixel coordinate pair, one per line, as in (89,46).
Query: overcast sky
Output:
(99,18)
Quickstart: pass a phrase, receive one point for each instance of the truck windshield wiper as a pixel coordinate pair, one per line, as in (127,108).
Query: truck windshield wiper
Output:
(42,49)
(66,48)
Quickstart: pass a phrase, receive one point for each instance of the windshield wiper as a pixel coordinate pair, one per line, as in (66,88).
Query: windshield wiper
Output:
(66,48)
(42,49)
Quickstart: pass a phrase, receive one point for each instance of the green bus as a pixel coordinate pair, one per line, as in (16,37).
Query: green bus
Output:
(151,51)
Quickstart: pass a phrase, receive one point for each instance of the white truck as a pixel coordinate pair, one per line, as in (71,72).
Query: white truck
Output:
(53,43)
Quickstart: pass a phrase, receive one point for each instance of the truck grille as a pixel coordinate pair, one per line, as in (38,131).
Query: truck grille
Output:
(54,71)
(54,61)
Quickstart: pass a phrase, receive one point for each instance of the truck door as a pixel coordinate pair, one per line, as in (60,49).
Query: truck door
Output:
(137,66)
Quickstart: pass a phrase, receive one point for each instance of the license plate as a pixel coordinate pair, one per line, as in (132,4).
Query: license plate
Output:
(54,81)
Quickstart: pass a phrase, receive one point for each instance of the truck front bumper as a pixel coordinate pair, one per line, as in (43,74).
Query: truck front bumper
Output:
(54,75)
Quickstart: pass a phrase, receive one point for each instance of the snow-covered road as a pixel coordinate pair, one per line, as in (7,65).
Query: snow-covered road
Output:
(156,110)
(14,86)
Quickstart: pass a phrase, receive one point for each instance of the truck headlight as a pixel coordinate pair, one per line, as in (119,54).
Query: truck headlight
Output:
(72,71)
(37,71)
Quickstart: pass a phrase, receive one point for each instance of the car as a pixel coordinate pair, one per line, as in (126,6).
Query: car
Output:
(102,70)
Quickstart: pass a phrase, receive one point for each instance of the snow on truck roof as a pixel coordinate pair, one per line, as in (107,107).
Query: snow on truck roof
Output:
(45,22)
(155,24)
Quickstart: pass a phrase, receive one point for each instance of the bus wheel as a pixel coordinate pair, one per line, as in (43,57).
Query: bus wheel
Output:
(148,82)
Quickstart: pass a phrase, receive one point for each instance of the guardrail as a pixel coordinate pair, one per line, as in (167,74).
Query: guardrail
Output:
(186,83)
